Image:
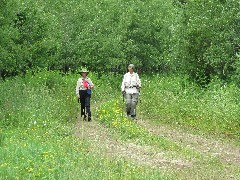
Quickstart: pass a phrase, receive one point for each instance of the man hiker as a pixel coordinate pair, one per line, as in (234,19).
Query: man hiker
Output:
(131,85)
(83,92)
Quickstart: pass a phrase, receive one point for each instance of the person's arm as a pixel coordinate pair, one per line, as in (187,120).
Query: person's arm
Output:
(139,85)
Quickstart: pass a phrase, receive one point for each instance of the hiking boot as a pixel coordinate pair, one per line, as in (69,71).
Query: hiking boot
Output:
(89,119)
(133,117)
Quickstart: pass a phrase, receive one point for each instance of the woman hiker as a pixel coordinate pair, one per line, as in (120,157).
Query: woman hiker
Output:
(131,85)
(83,92)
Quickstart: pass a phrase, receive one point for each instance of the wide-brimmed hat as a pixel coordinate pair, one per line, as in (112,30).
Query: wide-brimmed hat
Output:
(84,71)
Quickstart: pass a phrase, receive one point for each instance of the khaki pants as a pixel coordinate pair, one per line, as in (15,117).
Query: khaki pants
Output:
(131,103)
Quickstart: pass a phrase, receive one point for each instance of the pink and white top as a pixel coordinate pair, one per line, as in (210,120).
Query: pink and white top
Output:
(84,84)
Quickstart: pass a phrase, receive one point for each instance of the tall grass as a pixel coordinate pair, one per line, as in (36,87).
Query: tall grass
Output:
(37,116)
(43,99)
(177,101)
(38,113)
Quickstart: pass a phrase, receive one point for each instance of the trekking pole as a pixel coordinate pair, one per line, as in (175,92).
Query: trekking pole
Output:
(140,102)
(123,106)
(78,100)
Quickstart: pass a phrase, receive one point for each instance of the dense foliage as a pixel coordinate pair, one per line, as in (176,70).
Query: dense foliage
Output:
(200,38)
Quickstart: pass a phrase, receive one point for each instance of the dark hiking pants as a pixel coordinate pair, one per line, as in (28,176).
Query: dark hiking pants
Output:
(85,104)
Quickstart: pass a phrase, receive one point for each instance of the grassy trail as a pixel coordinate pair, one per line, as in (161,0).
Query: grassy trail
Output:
(171,140)
(210,159)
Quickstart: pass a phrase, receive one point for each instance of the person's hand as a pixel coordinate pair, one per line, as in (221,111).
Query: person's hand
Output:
(123,92)
(138,87)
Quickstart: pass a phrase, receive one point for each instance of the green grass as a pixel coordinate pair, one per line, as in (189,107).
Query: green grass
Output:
(38,113)
(37,153)
(176,101)
(111,114)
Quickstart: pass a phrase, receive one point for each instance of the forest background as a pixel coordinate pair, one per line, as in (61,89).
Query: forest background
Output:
(200,39)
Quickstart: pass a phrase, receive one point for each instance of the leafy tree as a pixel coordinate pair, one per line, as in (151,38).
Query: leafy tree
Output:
(211,33)
(7,36)
(201,38)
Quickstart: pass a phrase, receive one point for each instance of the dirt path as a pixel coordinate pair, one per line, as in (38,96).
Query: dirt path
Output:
(102,141)
(226,151)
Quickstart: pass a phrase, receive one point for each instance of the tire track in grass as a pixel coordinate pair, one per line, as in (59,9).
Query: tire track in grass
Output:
(220,159)
(226,151)
(102,142)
